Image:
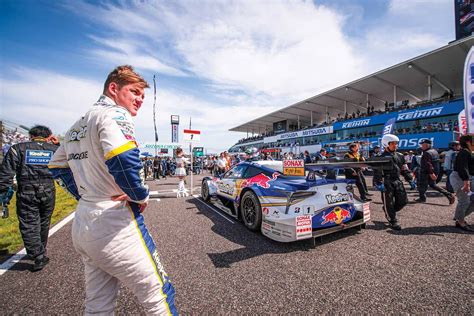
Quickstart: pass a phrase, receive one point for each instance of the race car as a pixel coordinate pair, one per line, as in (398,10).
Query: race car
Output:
(287,208)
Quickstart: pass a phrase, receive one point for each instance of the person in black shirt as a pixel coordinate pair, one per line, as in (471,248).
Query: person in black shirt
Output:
(356,173)
(394,196)
(460,180)
(429,170)
(36,191)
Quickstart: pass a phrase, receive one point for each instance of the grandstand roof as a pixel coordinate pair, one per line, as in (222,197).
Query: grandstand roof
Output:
(445,65)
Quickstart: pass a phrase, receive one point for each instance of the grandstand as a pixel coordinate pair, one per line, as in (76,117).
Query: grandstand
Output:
(12,133)
(424,94)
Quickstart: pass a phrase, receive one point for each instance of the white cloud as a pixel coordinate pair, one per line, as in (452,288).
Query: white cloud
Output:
(42,97)
(58,100)
(121,52)
(408,29)
(284,49)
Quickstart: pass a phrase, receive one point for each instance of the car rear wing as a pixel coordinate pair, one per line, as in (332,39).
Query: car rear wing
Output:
(378,163)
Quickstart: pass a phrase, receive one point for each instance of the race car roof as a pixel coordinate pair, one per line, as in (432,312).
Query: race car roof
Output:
(445,65)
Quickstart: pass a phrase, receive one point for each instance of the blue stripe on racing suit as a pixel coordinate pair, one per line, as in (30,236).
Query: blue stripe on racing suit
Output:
(167,288)
(125,168)
(65,179)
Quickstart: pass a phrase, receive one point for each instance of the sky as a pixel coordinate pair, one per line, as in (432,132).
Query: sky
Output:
(218,63)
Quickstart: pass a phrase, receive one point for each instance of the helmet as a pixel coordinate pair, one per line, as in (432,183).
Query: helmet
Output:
(388,138)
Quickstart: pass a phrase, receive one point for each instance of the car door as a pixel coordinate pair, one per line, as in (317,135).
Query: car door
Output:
(226,186)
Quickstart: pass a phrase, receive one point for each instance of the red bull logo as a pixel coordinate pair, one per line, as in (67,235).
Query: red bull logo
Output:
(336,216)
(261,180)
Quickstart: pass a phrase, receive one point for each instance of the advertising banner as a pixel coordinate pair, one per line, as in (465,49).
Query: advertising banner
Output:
(304,133)
(293,167)
(462,122)
(174,133)
(469,90)
(441,109)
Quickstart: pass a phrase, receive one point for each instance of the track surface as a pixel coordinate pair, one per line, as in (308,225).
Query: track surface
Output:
(217,266)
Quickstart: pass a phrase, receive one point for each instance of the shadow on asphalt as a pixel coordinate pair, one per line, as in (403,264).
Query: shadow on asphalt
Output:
(432,230)
(21,266)
(377,225)
(254,243)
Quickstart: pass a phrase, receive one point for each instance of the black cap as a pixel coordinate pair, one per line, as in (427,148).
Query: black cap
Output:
(426,141)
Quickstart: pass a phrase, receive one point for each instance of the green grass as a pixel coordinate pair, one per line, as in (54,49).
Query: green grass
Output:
(10,238)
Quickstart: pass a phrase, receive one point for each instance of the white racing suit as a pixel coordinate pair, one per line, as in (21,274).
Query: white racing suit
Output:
(97,160)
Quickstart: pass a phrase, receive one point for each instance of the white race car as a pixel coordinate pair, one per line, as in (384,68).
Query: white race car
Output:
(287,208)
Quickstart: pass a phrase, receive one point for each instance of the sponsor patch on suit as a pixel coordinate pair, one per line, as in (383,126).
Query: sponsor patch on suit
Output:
(38,157)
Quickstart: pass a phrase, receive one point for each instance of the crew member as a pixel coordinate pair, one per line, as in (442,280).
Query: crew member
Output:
(322,155)
(461,179)
(376,152)
(99,163)
(36,192)
(429,170)
(356,173)
(394,196)
(448,164)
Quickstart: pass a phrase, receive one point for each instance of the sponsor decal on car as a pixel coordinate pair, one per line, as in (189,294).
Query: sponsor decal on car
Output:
(303,227)
(260,180)
(265,210)
(226,188)
(336,216)
(337,198)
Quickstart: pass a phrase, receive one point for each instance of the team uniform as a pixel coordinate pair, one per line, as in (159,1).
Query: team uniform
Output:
(394,195)
(359,176)
(430,165)
(36,192)
(99,159)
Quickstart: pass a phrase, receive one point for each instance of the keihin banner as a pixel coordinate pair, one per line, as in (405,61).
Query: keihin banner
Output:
(469,90)
(303,133)
(441,109)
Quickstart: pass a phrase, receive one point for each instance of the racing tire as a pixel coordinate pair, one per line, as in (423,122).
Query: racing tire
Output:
(206,197)
(251,211)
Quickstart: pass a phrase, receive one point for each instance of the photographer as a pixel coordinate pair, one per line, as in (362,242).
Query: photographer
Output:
(36,192)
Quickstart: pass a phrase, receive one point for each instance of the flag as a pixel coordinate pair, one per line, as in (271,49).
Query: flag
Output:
(388,127)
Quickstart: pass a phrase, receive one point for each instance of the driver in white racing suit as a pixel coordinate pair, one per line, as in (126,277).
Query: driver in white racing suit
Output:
(98,162)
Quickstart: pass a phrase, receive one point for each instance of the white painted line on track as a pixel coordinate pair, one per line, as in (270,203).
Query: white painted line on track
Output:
(212,207)
(4,267)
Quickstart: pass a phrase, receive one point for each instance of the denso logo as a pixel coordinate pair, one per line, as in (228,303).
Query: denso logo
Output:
(406,143)
(419,114)
(412,142)
(356,123)
(341,197)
